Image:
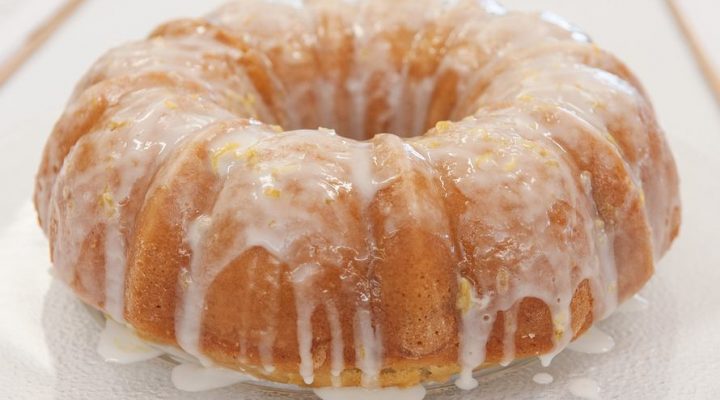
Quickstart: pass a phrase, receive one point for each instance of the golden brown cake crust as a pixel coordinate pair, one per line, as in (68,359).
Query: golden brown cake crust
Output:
(528,190)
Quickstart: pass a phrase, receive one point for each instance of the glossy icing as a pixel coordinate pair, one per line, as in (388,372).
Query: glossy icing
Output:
(584,388)
(543,378)
(535,140)
(120,344)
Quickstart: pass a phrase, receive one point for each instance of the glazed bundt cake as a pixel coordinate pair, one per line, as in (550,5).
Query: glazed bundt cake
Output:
(224,187)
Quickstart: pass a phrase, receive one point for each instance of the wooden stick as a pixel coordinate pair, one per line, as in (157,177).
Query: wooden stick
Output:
(711,75)
(38,36)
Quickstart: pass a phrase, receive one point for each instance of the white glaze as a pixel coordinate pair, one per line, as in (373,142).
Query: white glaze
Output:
(477,323)
(337,361)
(546,359)
(114,278)
(120,344)
(370,348)
(543,378)
(191,377)
(509,337)
(301,277)
(584,388)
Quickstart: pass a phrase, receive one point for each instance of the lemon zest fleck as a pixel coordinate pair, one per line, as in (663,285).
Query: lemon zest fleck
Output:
(443,126)
(552,163)
(484,157)
(251,157)
(525,97)
(107,202)
(612,140)
(215,158)
(272,192)
(511,165)
(114,125)
(464,298)
(558,324)
(433,144)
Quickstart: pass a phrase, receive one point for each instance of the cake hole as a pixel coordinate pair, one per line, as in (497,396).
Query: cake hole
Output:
(393,120)
(395,103)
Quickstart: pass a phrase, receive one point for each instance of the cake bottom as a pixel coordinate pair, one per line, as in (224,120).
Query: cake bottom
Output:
(120,344)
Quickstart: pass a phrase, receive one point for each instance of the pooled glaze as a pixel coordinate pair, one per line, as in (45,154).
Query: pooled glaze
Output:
(543,378)
(540,171)
(121,345)
(118,343)
(584,388)
(191,377)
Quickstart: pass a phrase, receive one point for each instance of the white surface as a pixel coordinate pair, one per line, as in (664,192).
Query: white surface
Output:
(670,351)
(393,393)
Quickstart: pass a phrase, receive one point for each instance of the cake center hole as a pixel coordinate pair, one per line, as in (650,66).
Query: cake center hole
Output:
(360,111)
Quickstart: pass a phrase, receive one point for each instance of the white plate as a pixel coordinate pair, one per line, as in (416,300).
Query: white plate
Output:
(670,351)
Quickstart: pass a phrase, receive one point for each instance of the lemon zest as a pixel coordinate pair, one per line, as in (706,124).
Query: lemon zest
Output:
(107,202)
(443,126)
(464,299)
(215,157)
(272,192)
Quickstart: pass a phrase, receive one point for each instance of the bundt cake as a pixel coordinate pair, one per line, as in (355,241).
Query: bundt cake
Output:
(224,187)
